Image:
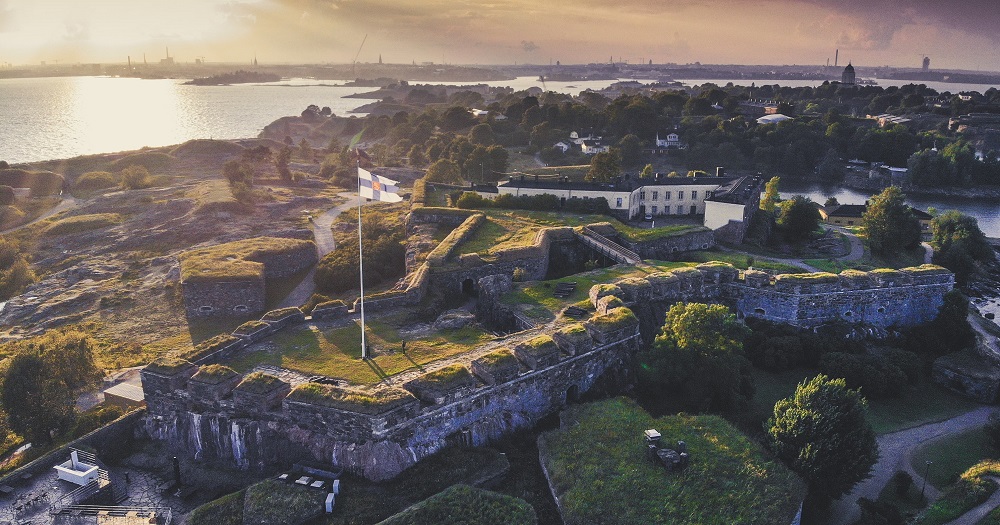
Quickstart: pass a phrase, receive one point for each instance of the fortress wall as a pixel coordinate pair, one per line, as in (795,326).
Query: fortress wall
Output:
(662,249)
(289,263)
(224,298)
(377,446)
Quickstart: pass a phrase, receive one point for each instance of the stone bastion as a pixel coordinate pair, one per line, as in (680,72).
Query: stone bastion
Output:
(230,279)
(261,422)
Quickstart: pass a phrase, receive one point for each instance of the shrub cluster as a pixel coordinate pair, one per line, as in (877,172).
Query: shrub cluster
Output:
(472,200)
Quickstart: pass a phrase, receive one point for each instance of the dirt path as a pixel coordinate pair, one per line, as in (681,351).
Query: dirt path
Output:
(895,452)
(325,244)
(857,247)
(67,203)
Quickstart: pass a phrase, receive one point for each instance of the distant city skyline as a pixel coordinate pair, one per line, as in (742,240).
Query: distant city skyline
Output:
(868,33)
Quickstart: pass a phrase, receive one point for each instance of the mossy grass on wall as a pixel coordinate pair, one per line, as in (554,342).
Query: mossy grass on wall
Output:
(214,374)
(372,402)
(259,383)
(168,365)
(83,223)
(478,506)
(235,260)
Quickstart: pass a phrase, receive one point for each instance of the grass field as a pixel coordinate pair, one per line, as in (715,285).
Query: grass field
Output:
(597,464)
(337,352)
(922,403)
(902,259)
(535,299)
(952,456)
(506,229)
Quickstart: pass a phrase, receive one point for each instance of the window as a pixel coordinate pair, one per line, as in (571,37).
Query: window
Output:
(680,209)
(619,202)
(656,194)
(654,210)
(642,195)
(694,194)
(666,195)
(680,195)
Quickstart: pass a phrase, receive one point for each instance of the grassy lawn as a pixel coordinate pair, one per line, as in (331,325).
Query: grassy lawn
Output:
(909,504)
(922,403)
(535,299)
(337,352)
(903,259)
(505,229)
(951,456)
(738,260)
(597,465)
(478,506)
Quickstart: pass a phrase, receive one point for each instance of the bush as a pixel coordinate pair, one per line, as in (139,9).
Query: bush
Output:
(135,178)
(992,430)
(97,180)
(384,252)
(876,377)
(6,195)
(82,223)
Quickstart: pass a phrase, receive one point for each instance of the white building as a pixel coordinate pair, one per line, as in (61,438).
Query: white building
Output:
(671,141)
(563,146)
(722,200)
(593,147)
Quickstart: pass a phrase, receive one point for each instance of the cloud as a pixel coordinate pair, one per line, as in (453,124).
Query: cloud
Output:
(528,46)
(76,31)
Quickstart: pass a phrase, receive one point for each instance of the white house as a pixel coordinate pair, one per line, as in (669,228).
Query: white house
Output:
(593,147)
(563,146)
(671,141)
(722,200)
(773,119)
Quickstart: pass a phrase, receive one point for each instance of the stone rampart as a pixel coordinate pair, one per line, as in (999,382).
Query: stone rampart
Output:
(882,298)
(224,298)
(665,247)
(244,423)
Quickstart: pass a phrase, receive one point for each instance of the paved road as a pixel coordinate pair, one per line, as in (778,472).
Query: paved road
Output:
(928,252)
(895,452)
(325,244)
(857,247)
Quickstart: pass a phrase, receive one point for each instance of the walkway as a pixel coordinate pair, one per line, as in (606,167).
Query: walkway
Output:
(67,203)
(895,452)
(973,516)
(323,235)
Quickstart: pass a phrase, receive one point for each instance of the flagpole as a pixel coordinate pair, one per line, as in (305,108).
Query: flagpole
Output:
(361,268)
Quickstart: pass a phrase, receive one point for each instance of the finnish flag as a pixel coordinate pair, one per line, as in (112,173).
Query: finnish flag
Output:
(378,188)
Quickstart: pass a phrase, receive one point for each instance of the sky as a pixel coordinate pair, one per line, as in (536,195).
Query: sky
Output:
(955,34)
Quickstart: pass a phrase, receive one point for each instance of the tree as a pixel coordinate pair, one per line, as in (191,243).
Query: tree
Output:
(305,150)
(6,195)
(959,244)
(281,163)
(135,177)
(446,171)
(831,202)
(604,167)
(799,218)
(35,402)
(631,150)
(699,353)
(456,118)
(771,198)
(482,135)
(646,172)
(821,433)
(889,223)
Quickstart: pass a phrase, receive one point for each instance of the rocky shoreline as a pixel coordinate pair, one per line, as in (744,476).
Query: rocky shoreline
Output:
(859,183)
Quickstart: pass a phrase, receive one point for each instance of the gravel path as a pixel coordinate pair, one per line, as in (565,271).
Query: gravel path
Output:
(325,244)
(895,452)
(67,203)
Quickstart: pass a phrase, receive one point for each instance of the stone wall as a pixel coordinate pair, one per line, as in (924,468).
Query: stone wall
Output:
(224,298)
(664,248)
(375,445)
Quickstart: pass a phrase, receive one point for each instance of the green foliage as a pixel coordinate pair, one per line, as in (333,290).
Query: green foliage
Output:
(604,167)
(770,199)
(646,172)
(631,150)
(699,355)
(971,490)
(384,254)
(15,272)
(799,218)
(992,430)
(889,224)
(281,161)
(821,433)
(444,171)
(83,223)
(259,383)
(214,374)
(150,160)
(35,401)
(877,377)
(959,244)
(949,332)
(599,470)
(208,347)
(135,177)
(94,419)
(462,504)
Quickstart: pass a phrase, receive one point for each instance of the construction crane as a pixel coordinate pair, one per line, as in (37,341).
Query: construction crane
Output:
(356,55)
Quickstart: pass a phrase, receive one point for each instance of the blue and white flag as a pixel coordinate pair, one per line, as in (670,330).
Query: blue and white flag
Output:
(378,188)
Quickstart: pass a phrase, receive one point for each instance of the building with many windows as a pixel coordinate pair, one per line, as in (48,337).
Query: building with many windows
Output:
(721,200)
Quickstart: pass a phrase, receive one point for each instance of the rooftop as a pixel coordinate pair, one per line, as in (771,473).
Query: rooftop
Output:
(738,191)
(625,183)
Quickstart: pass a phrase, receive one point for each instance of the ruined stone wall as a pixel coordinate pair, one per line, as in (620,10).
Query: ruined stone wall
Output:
(207,425)
(289,263)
